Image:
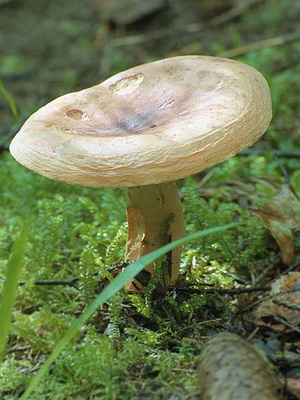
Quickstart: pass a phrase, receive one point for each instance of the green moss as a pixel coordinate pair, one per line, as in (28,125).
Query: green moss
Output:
(98,367)
(77,231)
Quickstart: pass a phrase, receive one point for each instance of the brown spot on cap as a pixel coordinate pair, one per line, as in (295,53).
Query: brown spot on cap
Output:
(74,113)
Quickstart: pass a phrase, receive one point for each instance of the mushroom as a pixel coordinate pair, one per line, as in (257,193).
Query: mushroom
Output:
(143,129)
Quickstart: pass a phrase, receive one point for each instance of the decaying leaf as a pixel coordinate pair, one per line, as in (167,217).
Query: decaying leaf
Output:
(282,305)
(280,215)
(231,369)
(292,386)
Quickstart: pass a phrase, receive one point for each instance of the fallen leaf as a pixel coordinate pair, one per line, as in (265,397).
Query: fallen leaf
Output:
(292,386)
(282,305)
(280,215)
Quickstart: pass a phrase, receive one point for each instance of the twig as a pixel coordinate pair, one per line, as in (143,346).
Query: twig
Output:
(237,278)
(206,322)
(265,272)
(275,41)
(283,171)
(183,29)
(293,267)
(234,12)
(285,358)
(286,177)
(284,322)
(252,334)
(72,281)
(287,304)
(157,35)
(272,297)
(55,282)
(224,291)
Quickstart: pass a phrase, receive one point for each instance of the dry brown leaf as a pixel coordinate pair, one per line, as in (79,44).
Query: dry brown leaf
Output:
(292,386)
(231,369)
(283,304)
(280,215)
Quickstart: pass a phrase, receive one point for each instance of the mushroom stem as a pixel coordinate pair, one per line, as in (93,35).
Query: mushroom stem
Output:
(155,218)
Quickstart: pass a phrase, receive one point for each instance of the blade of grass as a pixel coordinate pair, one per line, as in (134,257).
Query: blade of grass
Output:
(8,295)
(9,98)
(112,288)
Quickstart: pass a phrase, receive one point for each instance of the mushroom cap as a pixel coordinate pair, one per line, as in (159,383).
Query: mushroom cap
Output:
(153,123)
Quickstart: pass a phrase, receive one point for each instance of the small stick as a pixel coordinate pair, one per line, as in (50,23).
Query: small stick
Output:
(224,291)
(72,281)
(184,29)
(252,334)
(55,282)
(293,267)
(265,272)
(234,12)
(157,35)
(284,322)
(286,177)
(274,41)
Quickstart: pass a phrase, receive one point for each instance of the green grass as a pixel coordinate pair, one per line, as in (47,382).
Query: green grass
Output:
(8,294)
(9,98)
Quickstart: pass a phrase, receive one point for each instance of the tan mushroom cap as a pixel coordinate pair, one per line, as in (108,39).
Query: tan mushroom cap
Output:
(153,123)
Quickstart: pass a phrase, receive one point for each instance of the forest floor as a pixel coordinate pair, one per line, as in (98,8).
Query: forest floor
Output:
(143,346)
